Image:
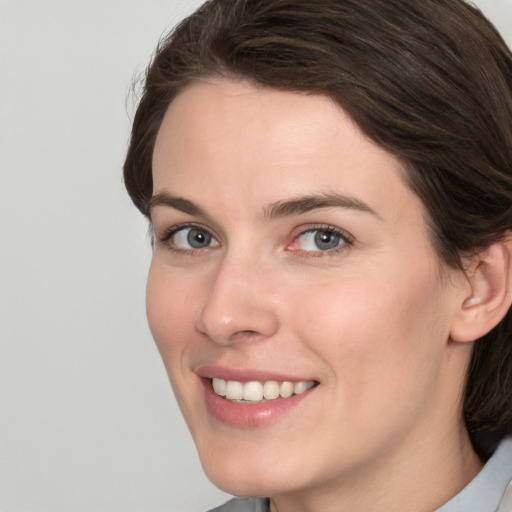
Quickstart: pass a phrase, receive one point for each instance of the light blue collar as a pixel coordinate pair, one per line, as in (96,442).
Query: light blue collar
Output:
(486,491)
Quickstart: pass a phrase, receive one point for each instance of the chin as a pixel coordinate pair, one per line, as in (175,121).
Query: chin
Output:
(250,475)
(246,485)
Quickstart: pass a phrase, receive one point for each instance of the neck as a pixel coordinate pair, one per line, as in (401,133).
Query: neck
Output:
(429,478)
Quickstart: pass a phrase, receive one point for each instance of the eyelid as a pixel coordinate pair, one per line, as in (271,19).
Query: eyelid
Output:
(171,230)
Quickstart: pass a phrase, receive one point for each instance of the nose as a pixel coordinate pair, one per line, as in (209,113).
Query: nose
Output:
(239,304)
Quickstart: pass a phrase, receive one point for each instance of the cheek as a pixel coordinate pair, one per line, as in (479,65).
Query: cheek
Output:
(365,309)
(171,307)
(172,304)
(373,329)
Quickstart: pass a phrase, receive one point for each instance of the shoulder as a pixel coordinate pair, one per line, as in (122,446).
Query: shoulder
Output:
(506,503)
(244,505)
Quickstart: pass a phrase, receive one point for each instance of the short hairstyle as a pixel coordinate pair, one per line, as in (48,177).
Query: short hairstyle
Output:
(430,81)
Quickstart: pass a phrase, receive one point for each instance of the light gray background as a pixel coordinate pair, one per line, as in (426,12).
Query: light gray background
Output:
(87,418)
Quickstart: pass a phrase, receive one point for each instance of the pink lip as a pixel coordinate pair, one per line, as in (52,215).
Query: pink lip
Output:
(244,375)
(247,415)
(250,415)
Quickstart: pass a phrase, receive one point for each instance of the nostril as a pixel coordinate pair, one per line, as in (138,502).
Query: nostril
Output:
(246,335)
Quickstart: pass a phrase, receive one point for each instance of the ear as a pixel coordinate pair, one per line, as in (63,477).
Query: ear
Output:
(489,274)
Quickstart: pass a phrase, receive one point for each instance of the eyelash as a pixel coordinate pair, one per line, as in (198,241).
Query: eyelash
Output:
(165,239)
(346,240)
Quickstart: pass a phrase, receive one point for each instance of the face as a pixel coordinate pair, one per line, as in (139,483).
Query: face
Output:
(292,271)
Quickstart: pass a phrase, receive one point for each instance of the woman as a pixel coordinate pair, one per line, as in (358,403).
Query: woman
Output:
(329,186)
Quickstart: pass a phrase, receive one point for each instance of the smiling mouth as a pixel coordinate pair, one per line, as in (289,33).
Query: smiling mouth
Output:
(255,392)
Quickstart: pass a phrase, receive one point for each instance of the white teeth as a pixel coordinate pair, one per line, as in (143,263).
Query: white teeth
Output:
(234,390)
(219,385)
(271,390)
(286,389)
(255,391)
(300,387)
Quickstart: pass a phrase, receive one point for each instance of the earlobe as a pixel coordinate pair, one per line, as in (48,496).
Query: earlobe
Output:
(489,274)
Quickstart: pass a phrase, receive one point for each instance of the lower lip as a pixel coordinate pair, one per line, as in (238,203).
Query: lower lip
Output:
(250,415)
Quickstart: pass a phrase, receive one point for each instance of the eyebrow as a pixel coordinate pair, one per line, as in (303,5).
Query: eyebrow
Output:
(309,203)
(178,203)
(288,208)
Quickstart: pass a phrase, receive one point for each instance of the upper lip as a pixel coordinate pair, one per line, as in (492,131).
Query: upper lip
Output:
(245,374)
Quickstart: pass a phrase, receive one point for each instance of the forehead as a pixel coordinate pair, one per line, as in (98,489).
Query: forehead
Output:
(250,143)
(226,121)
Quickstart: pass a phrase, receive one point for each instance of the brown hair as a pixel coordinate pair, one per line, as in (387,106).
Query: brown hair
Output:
(428,80)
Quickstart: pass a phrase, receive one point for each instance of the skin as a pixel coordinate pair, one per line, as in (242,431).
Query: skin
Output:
(370,320)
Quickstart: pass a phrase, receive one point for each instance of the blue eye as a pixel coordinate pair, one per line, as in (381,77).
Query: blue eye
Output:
(319,240)
(193,238)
